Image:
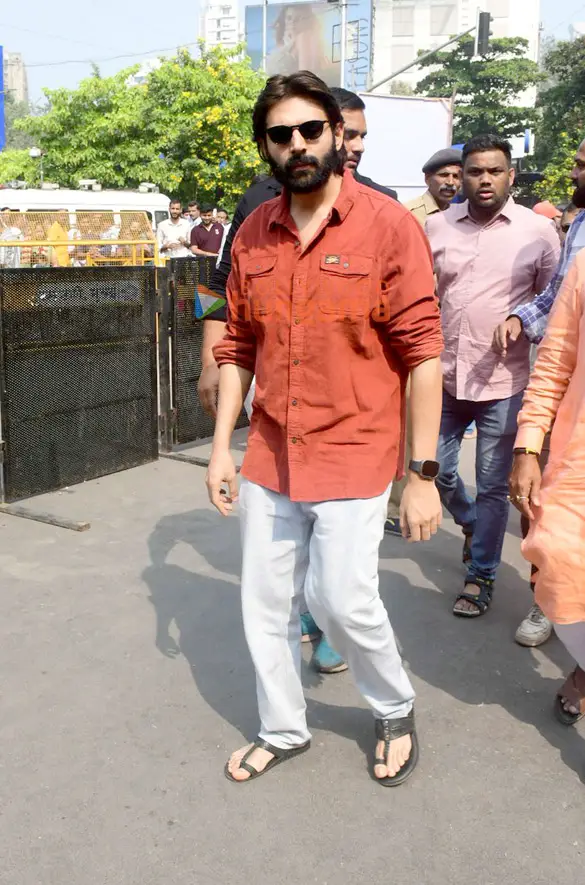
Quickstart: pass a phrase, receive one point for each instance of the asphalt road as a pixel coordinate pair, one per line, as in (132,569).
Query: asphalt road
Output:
(126,683)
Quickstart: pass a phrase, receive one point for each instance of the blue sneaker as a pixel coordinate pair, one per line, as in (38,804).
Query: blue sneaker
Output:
(326,659)
(392,527)
(309,628)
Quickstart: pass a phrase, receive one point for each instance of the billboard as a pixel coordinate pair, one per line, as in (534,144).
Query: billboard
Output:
(307,36)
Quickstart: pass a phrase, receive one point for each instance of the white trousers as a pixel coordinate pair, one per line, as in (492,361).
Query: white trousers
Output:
(339,541)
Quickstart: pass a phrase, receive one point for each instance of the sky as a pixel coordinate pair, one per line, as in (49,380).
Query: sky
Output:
(48,34)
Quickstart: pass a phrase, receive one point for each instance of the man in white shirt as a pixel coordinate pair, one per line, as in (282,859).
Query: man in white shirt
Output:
(173,234)
(9,255)
(194,210)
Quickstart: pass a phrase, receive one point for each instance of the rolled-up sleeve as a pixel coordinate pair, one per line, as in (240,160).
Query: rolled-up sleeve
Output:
(238,346)
(408,294)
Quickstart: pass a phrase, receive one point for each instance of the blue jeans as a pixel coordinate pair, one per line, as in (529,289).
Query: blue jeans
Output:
(486,517)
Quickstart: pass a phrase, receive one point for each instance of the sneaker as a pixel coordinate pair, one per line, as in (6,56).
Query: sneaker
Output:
(534,629)
(309,628)
(326,659)
(392,527)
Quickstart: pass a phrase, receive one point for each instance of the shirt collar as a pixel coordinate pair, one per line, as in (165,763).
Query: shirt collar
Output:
(280,212)
(461,211)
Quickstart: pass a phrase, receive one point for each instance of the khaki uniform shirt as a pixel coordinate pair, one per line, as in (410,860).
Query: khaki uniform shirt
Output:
(423,206)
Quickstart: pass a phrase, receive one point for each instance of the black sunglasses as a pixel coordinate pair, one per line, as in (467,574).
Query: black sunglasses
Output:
(311,131)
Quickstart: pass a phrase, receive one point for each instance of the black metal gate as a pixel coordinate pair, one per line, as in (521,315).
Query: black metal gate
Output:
(78,395)
(191,422)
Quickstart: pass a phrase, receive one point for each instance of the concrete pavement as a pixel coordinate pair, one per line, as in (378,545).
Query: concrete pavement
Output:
(126,684)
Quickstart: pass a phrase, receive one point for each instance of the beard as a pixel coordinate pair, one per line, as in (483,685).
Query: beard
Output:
(578,198)
(308,180)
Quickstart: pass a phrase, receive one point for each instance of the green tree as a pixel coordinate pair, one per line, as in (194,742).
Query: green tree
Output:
(13,111)
(400,87)
(16,165)
(186,128)
(487,90)
(557,185)
(562,103)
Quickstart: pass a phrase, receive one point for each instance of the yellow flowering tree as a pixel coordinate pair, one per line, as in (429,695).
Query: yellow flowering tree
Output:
(186,127)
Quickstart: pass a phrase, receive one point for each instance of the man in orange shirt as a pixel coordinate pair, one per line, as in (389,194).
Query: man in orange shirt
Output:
(331,301)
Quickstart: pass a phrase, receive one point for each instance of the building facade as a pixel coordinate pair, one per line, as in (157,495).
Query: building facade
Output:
(403,28)
(220,25)
(15,78)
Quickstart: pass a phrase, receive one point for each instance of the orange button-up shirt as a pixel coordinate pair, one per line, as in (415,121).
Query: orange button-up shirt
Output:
(331,332)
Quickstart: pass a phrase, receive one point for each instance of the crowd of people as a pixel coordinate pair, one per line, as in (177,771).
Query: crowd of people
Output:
(197,230)
(345,312)
(50,239)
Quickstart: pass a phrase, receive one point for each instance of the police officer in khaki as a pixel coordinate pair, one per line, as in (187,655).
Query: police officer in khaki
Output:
(443,179)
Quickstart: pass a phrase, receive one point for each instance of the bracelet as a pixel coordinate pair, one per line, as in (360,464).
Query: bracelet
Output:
(523,451)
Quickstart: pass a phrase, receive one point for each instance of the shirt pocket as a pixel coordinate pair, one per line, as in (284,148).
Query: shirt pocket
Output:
(345,285)
(260,276)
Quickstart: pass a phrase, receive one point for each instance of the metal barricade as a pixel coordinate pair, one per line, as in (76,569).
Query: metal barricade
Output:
(78,372)
(187,275)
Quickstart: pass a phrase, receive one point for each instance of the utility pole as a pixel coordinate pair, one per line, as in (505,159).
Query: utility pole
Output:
(343,10)
(420,58)
(482,40)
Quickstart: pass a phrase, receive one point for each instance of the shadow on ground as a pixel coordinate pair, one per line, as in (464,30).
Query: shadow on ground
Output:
(474,661)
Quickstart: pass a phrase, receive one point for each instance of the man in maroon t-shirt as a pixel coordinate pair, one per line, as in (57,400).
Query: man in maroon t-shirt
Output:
(207,237)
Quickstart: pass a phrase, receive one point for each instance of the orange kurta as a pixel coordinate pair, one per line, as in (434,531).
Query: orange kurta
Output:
(556,393)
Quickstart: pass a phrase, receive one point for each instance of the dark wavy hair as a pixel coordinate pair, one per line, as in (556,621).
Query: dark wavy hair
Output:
(303,84)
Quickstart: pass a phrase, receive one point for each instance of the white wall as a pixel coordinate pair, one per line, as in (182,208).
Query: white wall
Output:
(403,133)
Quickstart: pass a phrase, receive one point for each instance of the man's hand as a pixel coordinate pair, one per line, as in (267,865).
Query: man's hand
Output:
(222,471)
(508,331)
(208,388)
(420,509)
(524,484)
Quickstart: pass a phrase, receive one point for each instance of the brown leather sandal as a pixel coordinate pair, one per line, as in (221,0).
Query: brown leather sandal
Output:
(573,691)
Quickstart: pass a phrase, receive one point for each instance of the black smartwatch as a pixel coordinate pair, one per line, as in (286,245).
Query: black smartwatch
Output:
(425,469)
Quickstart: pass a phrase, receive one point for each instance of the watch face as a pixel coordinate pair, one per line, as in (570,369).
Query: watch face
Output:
(430,469)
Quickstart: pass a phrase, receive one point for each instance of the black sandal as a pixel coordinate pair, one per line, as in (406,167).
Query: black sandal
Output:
(388,730)
(573,691)
(482,600)
(279,754)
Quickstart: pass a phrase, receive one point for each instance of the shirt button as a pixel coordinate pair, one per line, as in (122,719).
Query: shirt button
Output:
(295,402)
(296,362)
(297,243)
(294,440)
(297,322)
(346,263)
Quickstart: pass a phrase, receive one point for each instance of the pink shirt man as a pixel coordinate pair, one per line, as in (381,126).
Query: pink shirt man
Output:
(483,274)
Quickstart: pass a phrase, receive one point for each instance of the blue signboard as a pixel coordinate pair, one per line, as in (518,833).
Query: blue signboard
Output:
(307,36)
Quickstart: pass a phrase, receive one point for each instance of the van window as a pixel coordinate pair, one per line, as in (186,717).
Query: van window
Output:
(160,216)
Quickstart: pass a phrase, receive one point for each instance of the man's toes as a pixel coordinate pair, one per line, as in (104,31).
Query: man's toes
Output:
(234,764)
